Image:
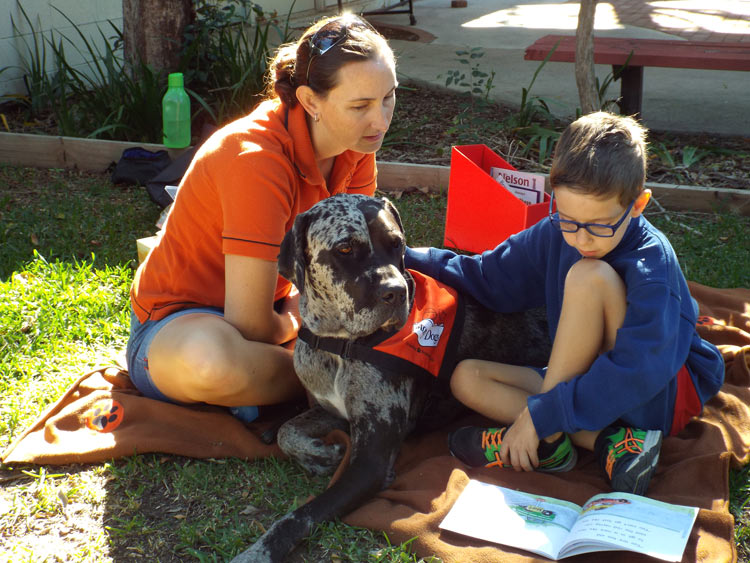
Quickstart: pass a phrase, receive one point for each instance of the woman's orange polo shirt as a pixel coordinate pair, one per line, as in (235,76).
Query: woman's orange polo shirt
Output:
(240,195)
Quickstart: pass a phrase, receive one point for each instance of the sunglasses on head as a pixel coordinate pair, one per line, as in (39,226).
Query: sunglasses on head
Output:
(328,36)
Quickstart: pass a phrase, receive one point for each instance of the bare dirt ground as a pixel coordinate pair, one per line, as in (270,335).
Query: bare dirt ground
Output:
(431,121)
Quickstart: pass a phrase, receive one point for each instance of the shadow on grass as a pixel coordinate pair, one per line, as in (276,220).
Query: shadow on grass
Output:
(167,508)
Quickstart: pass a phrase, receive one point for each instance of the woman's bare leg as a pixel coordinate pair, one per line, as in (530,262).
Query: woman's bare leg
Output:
(202,358)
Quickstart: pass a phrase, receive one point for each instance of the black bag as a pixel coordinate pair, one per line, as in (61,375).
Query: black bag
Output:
(138,165)
(172,174)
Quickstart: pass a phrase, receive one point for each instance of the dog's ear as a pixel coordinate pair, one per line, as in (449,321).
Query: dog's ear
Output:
(397,217)
(291,260)
(393,211)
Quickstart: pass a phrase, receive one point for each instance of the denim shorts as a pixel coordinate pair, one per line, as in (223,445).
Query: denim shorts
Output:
(139,343)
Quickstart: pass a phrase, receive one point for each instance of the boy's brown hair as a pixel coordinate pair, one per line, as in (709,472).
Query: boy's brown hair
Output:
(602,154)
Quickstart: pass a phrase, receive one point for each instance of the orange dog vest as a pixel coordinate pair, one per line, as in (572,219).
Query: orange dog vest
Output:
(426,344)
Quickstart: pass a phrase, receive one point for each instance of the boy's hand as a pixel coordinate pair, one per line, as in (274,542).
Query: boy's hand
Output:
(520,443)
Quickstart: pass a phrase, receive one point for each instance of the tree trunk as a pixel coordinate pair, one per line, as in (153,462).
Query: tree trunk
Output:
(585,75)
(153,30)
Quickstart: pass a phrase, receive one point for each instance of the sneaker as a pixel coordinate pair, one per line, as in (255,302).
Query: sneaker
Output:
(628,457)
(478,447)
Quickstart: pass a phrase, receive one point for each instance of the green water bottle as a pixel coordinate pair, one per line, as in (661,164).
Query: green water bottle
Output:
(175,111)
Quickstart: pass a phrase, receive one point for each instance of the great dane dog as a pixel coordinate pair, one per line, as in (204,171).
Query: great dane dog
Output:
(345,255)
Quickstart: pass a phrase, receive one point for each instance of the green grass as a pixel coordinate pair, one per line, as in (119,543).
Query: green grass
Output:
(67,215)
(714,249)
(68,257)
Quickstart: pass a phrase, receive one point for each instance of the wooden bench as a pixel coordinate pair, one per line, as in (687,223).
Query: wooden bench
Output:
(645,52)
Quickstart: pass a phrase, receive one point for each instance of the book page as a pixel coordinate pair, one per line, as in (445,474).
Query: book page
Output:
(499,515)
(636,523)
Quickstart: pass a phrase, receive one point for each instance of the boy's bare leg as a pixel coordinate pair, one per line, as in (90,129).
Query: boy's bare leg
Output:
(498,391)
(594,305)
(203,358)
(593,310)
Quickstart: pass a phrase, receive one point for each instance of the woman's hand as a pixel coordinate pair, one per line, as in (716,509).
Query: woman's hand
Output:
(520,443)
(290,308)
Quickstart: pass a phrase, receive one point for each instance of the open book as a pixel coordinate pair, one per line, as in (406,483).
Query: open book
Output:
(557,528)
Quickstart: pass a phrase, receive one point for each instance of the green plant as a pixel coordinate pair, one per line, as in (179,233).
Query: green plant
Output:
(104,98)
(537,135)
(478,85)
(478,82)
(608,104)
(531,107)
(662,152)
(225,58)
(34,66)
(692,155)
(109,98)
(524,122)
(677,159)
(601,89)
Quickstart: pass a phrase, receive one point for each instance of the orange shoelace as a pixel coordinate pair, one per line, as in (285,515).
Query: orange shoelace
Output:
(628,444)
(493,441)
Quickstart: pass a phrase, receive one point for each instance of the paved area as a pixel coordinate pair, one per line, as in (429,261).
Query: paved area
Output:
(673,99)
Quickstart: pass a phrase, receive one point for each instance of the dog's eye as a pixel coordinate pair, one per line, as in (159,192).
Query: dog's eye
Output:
(344,249)
(396,243)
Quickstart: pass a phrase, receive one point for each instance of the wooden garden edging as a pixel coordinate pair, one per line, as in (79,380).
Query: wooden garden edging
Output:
(95,155)
(46,151)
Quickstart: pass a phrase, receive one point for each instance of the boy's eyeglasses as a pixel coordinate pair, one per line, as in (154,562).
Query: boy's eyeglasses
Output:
(326,38)
(595,229)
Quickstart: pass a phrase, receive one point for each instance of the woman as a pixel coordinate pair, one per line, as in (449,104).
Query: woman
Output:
(212,321)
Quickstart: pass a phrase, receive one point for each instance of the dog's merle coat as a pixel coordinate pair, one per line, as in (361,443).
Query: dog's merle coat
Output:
(345,255)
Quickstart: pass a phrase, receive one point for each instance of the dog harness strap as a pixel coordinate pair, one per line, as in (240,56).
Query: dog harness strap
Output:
(339,346)
(354,350)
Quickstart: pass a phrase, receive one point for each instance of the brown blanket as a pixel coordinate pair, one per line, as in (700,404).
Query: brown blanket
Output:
(102,416)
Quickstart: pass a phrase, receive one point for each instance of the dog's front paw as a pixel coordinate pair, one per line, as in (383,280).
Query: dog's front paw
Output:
(304,439)
(315,455)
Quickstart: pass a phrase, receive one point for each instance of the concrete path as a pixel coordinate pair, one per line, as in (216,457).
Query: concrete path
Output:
(673,99)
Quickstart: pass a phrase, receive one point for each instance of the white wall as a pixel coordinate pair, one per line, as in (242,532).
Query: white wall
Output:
(87,15)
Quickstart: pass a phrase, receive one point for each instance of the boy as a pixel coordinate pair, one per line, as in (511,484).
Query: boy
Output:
(627,364)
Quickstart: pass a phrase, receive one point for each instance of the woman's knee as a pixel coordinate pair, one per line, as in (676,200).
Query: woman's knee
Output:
(192,364)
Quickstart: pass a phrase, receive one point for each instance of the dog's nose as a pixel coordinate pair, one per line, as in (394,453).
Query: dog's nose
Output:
(393,295)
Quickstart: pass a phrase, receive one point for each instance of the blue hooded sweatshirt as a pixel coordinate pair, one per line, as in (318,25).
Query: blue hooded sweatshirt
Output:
(636,381)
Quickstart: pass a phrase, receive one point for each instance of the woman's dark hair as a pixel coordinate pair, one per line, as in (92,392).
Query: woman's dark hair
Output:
(342,39)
